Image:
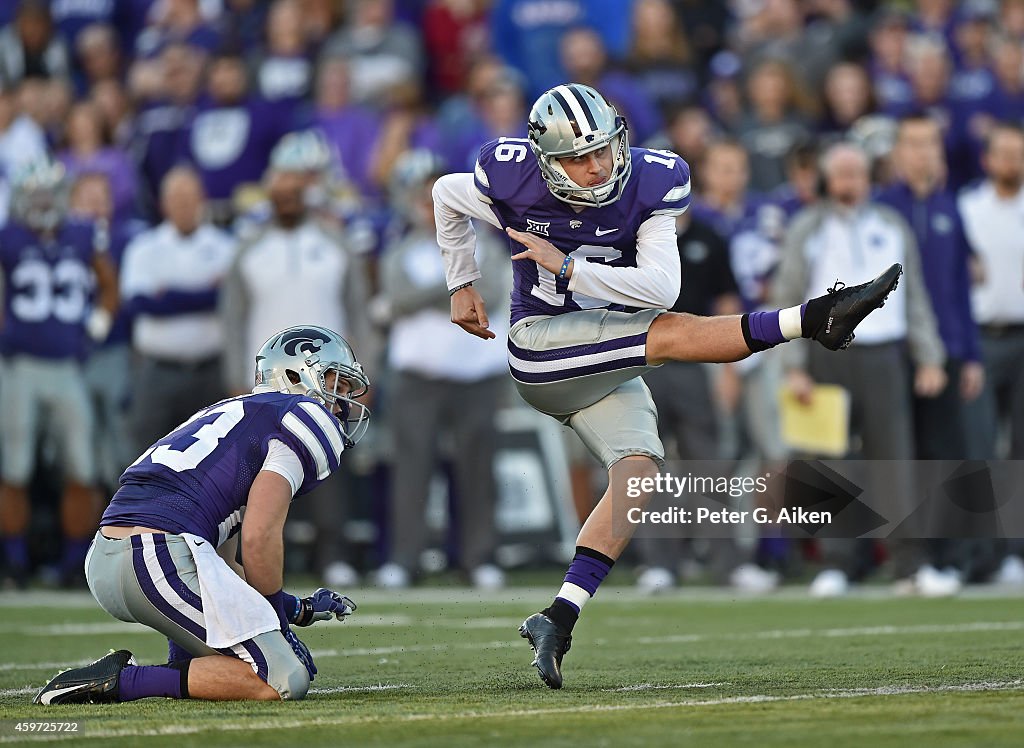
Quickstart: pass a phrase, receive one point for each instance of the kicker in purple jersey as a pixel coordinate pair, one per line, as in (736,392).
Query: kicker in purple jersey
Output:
(507,174)
(47,285)
(197,478)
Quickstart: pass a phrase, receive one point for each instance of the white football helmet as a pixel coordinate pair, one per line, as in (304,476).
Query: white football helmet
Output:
(411,172)
(572,120)
(308,152)
(297,361)
(39,196)
(305,151)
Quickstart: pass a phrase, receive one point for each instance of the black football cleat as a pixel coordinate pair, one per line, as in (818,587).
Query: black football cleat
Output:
(831,319)
(96,683)
(549,644)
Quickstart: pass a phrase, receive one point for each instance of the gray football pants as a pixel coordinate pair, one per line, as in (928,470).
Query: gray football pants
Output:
(151,579)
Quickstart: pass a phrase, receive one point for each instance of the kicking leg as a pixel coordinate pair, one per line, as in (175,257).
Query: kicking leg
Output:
(829,319)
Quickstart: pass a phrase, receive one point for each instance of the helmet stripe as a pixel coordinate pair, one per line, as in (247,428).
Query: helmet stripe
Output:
(585,106)
(573,116)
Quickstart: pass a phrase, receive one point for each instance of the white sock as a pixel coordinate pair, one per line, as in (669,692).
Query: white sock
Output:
(574,594)
(791,322)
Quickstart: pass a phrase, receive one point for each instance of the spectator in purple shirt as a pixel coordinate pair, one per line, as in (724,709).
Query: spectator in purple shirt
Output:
(1007,99)
(349,127)
(778,118)
(496,110)
(115,109)
(231,136)
(888,42)
(168,87)
(930,67)
(408,124)
(177,21)
(921,197)
(847,97)
(284,73)
(98,52)
(660,56)
(71,17)
(87,151)
(690,130)
(972,79)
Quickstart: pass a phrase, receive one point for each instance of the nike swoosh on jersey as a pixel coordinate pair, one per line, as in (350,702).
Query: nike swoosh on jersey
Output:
(602,232)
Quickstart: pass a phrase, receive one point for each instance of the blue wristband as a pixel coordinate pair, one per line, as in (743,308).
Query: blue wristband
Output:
(565,267)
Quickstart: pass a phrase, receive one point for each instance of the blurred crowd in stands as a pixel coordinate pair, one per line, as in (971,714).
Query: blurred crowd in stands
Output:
(245,165)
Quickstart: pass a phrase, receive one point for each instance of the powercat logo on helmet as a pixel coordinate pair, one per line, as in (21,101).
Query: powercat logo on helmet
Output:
(306,340)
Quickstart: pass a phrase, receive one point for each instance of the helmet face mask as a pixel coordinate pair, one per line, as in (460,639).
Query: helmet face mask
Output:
(573,120)
(298,361)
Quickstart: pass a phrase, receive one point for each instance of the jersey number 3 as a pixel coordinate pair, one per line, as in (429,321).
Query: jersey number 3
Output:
(205,438)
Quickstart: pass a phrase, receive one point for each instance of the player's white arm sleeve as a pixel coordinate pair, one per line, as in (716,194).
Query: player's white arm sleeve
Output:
(456,202)
(283,461)
(653,283)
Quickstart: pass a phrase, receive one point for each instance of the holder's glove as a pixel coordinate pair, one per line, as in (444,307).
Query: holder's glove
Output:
(322,605)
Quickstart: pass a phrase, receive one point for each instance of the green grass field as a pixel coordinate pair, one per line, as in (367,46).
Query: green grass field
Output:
(439,666)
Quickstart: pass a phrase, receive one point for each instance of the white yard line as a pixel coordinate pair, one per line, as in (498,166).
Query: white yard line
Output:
(512,642)
(654,687)
(310,721)
(19,691)
(360,689)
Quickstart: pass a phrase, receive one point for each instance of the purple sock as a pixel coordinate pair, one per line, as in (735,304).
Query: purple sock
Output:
(585,571)
(177,653)
(73,557)
(761,330)
(16,551)
(142,681)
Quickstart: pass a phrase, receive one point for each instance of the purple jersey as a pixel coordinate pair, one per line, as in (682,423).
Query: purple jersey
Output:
(507,174)
(47,284)
(197,478)
(231,145)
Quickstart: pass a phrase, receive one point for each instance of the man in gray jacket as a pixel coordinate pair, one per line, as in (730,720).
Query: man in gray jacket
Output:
(444,384)
(848,236)
(294,269)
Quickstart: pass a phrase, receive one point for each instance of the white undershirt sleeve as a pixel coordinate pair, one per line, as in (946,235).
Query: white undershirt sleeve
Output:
(283,461)
(654,283)
(456,201)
